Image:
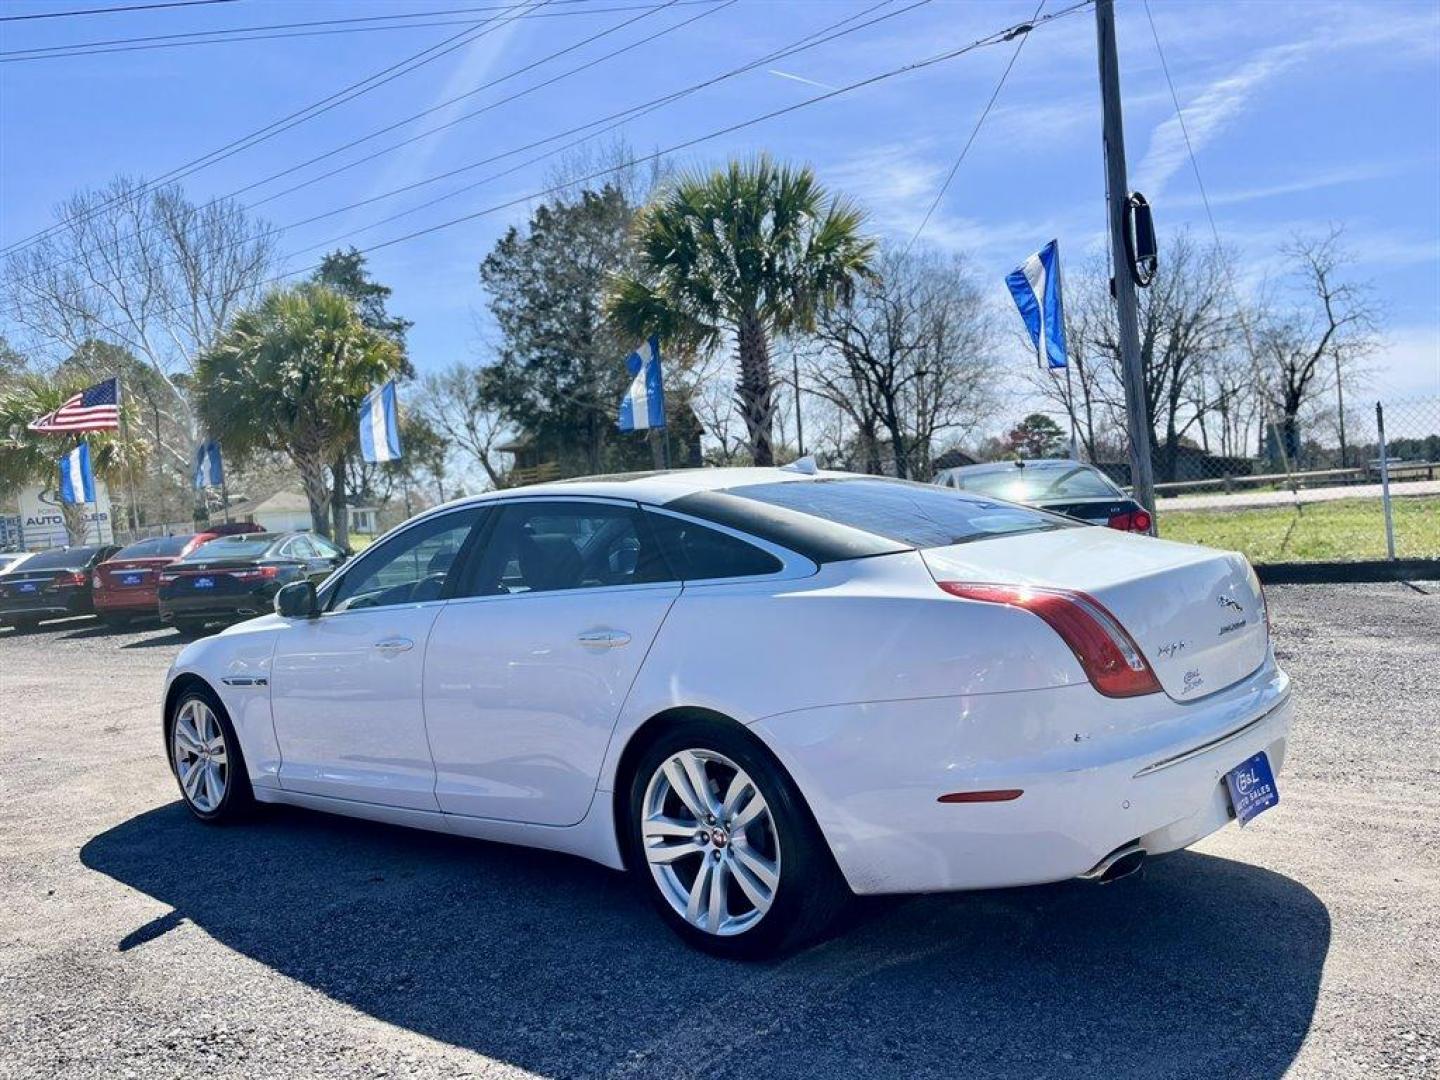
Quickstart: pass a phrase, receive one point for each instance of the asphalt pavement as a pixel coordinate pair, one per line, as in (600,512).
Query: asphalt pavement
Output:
(135,942)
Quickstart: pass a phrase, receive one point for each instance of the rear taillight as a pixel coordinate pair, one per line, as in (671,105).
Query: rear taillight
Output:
(166,579)
(1131,521)
(75,577)
(95,581)
(260,573)
(1259,587)
(1111,659)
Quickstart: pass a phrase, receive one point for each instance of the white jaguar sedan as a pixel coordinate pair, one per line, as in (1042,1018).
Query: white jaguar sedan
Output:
(761,690)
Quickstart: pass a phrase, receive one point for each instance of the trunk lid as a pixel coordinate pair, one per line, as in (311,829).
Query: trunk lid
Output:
(1196,614)
(21,584)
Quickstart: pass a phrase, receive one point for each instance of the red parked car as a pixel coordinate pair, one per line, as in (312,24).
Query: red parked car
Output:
(124,585)
(225,528)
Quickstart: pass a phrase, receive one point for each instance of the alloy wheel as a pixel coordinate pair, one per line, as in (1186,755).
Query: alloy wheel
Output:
(710,841)
(197,746)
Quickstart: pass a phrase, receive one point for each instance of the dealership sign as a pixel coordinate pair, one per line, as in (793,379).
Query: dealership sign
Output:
(42,520)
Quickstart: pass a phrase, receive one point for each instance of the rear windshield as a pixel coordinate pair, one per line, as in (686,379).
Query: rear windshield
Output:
(916,515)
(1034,484)
(155,547)
(243,546)
(61,559)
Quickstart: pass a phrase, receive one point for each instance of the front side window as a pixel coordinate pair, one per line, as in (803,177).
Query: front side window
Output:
(549,546)
(410,568)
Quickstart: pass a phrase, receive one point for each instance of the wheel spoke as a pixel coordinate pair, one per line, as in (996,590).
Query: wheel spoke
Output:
(735,794)
(668,853)
(213,787)
(679,777)
(754,889)
(751,807)
(697,892)
(186,735)
(660,827)
(762,868)
(190,778)
(719,907)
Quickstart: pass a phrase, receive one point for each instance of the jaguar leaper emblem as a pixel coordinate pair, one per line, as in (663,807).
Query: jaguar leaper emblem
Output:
(1229,602)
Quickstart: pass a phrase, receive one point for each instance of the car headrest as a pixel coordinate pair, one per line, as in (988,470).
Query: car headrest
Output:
(550,561)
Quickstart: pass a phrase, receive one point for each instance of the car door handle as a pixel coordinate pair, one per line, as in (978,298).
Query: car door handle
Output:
(604,639)
(394,645)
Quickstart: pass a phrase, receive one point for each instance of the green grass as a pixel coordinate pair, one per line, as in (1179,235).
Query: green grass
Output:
(1344,529)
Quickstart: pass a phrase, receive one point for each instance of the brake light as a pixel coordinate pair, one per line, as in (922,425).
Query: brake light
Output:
(260,573)
(75,577)
(167,578)
(1137,521)
(95,581)
(1112,661)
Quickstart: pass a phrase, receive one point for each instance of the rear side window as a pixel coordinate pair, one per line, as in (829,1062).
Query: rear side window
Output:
(61,559)
(155,547)
(916,515)
(698,553)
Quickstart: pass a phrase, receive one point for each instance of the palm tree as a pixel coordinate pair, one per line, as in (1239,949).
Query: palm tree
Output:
(748,251)
(28,457)
(288,376)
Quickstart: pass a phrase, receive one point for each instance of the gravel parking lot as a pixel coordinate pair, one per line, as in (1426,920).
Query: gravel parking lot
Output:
(136,943)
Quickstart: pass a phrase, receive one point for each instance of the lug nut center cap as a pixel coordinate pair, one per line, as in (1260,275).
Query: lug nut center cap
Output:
(719,837)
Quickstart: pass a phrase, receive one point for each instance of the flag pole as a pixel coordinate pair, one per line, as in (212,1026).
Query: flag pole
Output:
(1070,408)
(129,464)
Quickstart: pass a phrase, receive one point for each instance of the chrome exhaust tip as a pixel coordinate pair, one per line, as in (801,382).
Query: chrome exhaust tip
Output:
(1122,862)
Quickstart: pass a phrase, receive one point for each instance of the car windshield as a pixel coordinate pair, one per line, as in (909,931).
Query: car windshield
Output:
(242,546)
(917,515)
(61,559)
(1034,483)
(154,548)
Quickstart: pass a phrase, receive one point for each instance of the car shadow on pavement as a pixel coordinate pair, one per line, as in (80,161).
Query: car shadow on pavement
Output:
(1200,966)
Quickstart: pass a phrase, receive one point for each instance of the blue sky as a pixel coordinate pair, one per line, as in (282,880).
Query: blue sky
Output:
(1303,114)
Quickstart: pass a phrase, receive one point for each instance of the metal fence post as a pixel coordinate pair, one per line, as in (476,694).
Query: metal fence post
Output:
(1385,481)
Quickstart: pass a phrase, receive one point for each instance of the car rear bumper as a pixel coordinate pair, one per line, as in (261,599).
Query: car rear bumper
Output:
(127,602)
(43,605)
(227,607)
(1094,774)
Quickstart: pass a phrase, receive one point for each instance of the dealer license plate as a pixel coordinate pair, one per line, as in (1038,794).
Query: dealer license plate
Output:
(130,579)
(29,586)
(204,583)
(1252,788)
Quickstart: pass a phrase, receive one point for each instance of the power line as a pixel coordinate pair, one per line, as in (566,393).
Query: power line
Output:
(111,10)
(612,121)
(146,229)
(1022,32)
(309,112)
(229,37)
(1227,270)
(918,65)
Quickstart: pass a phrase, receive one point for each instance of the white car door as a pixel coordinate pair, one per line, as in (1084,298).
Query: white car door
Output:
(525,674)
(345,687)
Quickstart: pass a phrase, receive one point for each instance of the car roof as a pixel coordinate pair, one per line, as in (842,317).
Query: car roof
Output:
(1005,466)
(656,488)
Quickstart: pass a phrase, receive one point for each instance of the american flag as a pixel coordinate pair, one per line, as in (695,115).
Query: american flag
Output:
(96,408)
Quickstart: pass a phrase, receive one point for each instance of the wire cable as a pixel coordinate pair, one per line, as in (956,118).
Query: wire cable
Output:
(19,56)
(309,112)
(905,69)
(1022,32)
(1229,271)
(112,10)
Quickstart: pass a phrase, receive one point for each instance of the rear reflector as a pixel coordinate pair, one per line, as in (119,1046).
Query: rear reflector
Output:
(1111,659)
(1003,795)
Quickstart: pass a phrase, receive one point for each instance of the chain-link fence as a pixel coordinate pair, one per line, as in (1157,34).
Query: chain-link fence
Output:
(1316,490)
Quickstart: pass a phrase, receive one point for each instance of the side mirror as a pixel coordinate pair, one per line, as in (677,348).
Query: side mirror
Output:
(297,601)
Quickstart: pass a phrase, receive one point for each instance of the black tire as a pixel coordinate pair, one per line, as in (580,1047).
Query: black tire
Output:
(116,622)
(189,627)
(811,893)
(238,799)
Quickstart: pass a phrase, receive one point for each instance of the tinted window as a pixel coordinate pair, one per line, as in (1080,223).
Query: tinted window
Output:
(917,515)
(61,559)
(409,568)
(246,546)
(698,553)
(326,549)
(545,546)
(1038,484)
(155,547)
(301,548)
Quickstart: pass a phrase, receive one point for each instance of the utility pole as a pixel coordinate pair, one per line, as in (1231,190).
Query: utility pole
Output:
(799,423)
(1142,477)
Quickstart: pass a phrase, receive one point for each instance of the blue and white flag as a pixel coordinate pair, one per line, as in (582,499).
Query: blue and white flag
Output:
(643,405)
(1035,284)
(77,482)
(209,471)
(380,425)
